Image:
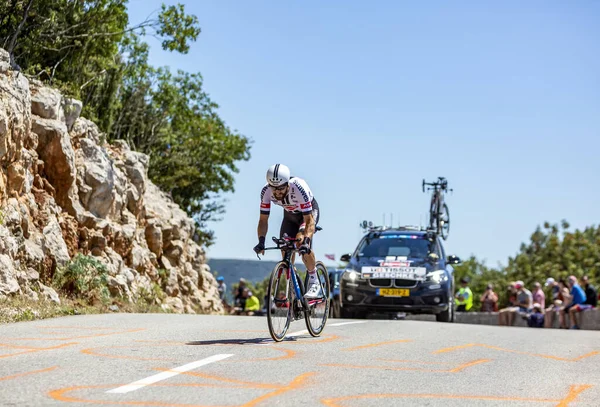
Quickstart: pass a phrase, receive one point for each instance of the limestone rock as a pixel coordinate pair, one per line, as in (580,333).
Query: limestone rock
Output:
(46,103)
(8,282)
(49,293)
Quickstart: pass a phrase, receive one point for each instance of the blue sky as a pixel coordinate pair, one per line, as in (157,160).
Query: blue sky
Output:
(365,99)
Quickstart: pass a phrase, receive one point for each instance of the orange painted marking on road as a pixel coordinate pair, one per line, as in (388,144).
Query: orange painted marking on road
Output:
(92,352)
(79,337)
(454,348)
(62,394)
(71,327)
(420,362)
(27,373)
(415,369)
(289,354)
(372,345)
(335,402)
(228,380)
(444,350)
(294,384)
(325,338)
(574,391)
(32,350)
(469,364)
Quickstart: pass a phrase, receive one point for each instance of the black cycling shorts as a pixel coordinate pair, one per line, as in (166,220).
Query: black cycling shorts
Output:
(292,221)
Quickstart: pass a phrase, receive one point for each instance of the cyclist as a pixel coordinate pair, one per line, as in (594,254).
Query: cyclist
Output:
(300,217)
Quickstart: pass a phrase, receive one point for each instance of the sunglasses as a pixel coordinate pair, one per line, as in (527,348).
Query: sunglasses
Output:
(279,188)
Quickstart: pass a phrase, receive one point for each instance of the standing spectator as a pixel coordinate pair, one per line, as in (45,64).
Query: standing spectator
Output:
(222,287)
(464,296)
(538,295)
(590,292)
(576,304)
(489,300)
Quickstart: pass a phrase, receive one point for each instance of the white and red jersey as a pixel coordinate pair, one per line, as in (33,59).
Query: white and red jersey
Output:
(298,199)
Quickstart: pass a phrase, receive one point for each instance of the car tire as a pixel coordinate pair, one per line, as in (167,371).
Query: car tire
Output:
(448,315)
(335,308)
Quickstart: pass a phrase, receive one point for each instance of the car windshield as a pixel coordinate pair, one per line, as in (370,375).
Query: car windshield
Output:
(413,246)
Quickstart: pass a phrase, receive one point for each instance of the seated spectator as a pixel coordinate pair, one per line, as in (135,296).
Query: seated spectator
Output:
(251,304)
(536,318)
(560,294)
(576,304)
(489,300)
(538,295)
(523,305)
(590,292)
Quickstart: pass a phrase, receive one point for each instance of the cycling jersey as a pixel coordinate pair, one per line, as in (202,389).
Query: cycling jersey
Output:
(299,198)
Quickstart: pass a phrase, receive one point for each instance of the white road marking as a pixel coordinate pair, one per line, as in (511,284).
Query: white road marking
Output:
(346,323)
(170,373)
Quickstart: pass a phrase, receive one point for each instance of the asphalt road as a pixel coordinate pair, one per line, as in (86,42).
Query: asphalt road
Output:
(192,360)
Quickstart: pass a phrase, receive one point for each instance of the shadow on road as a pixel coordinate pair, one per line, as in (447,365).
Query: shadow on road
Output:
(245,341)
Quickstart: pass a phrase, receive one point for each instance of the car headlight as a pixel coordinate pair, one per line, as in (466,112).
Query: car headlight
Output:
(350,275)
(437,276)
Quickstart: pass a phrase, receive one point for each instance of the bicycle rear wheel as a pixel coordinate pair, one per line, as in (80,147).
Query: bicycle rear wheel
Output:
(445,221)
(280,299)
(318,308)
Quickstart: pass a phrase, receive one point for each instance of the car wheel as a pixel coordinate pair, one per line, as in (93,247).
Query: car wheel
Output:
(448,315)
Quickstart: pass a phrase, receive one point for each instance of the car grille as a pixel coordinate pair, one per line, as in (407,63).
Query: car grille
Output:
(380,282)
(405,283)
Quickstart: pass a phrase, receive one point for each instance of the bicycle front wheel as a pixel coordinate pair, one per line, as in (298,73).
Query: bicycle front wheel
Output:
(318,308)
(445,222)
(280,298)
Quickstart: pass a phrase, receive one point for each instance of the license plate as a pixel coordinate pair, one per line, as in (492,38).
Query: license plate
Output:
(393,292)
(408,273)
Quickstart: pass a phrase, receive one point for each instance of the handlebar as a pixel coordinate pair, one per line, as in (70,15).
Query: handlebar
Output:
(286,243)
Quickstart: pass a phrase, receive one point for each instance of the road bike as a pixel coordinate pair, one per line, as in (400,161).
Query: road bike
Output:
(285,295)
(439,215)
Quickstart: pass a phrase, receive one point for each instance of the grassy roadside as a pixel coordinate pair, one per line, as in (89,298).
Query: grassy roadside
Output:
(16,309)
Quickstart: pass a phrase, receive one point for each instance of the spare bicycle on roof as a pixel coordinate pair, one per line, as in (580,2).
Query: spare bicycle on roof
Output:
(439,216)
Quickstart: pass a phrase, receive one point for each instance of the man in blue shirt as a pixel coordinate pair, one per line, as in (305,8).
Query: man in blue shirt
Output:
(577,299)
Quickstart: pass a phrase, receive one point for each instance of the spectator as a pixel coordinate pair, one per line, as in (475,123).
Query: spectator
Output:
(222,287)
(576,304)
(590,292)
(464,296)
(239,294)
(251,305)
(489,300)
(523,305)
(538,295)
(560,294)
(536,318)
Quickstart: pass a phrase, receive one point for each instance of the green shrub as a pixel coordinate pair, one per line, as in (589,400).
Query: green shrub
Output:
(83,277)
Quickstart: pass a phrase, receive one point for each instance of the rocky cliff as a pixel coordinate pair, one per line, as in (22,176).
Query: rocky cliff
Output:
(64,190)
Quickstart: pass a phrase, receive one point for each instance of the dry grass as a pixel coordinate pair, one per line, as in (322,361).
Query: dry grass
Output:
(16,309)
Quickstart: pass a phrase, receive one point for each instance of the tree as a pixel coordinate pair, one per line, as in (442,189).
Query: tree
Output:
(553,251)
(88,49)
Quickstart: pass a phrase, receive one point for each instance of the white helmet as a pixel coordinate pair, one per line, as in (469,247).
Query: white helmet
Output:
(278,174)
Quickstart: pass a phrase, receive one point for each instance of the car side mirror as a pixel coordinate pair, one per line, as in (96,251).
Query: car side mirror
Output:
(345,258)
(452,259)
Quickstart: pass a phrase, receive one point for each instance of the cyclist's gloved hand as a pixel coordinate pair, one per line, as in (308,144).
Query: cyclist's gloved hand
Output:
(305,246)
(260,247)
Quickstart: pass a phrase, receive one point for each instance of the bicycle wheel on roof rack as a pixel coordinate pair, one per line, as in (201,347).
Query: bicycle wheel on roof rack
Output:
(433,213)
(280,298)
(444,220)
